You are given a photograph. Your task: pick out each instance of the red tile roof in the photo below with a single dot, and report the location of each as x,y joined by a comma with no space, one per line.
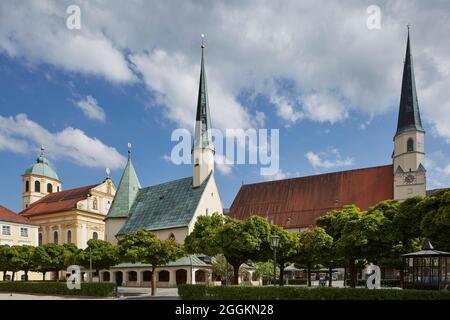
11,216
58,201
298,202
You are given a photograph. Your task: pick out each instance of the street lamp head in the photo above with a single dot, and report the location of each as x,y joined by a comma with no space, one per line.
275,240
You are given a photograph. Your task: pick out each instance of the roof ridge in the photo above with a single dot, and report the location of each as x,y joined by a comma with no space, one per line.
316,175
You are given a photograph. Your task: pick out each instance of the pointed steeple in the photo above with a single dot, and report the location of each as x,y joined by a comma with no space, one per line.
202,120
409,115
126,192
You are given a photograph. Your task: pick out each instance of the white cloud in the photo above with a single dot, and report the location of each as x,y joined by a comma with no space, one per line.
70,143
91,109
334,65
280,175
223,165
175,81
437,165
328,160
36,31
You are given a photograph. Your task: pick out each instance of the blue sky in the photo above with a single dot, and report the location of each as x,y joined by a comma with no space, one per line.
335,102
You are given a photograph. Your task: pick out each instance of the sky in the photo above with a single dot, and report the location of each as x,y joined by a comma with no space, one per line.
311,69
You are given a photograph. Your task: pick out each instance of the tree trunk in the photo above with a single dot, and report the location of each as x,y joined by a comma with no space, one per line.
13,275
281,273
330,276
43,275
26,275
153,281
402,274
345,276
236,274
4,275
353,274
308,270
57,276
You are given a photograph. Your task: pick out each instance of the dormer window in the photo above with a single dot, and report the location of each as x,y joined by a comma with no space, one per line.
410,145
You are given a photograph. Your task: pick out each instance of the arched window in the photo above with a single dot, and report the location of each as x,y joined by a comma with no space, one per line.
69,236
95,236
55,237
410,145
95,204
49,188
164,276
40,239
57,188
27,186
37,186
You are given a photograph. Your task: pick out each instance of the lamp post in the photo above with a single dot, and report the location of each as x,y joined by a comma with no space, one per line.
275,241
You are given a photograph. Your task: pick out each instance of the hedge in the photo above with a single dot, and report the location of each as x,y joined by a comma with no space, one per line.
202,292
59,288
389,283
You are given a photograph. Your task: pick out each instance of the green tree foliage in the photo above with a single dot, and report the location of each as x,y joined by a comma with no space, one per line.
286,251
221,268
312,246
5,259
435,224
237,240
145,247
22,259
54,257
264,270
104,255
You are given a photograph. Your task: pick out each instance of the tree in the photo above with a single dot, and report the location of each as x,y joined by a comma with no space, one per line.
334,223
402,234
104,255
237,240
54,257
286,251
311,247
436,220
5,259
41,260
221,268
264,270
145,247
23,259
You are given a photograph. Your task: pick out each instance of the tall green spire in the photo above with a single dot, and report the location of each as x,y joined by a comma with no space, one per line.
408,115
203,120
126,192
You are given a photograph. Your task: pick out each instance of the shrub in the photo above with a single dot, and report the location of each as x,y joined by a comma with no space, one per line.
201,292
59,288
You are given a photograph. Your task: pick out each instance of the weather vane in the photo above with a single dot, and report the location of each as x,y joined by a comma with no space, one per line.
108,172
129,147
203,40
408,26
42,150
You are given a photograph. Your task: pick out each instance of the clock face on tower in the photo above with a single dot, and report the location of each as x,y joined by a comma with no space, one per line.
409,178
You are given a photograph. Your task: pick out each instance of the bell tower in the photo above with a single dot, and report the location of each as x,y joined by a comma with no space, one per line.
409,140
39,180
203,148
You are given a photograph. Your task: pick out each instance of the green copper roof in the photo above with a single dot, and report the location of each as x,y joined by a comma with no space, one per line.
42,167
421,168
167,205
126,193
409,115
203,121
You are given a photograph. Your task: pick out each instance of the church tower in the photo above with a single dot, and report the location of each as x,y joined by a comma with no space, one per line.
202,149
409,140
39,180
